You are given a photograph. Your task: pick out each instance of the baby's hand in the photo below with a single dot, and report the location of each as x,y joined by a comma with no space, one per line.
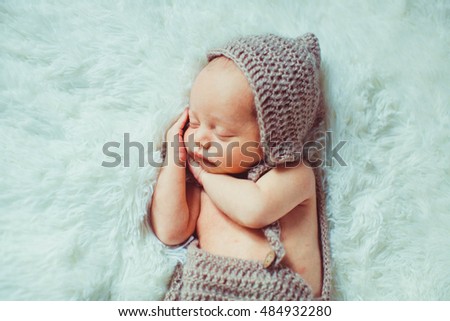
174,138
196,170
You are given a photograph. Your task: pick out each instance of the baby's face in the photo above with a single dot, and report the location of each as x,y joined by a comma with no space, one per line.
223,134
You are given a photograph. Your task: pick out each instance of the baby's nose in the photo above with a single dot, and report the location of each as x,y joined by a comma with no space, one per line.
202,138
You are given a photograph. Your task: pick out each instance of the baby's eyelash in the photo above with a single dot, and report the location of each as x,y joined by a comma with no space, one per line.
224,136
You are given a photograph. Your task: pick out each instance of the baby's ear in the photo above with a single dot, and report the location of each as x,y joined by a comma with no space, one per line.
312,45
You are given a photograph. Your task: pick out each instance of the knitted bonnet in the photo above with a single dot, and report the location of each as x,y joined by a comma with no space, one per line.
283,74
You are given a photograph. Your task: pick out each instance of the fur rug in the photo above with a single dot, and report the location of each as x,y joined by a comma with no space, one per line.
76,75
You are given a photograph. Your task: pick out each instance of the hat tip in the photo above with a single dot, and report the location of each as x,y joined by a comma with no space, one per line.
312,44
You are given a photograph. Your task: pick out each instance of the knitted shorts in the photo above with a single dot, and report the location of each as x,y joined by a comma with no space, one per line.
205,277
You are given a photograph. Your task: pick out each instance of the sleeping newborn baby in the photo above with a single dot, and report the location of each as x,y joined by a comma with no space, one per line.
256,206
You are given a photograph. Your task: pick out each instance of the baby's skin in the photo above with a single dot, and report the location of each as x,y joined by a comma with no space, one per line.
217,138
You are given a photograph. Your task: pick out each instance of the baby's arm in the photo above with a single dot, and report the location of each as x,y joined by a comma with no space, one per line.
172,220
256,205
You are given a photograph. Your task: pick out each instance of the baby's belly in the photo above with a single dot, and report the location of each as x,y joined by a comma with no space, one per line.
219,235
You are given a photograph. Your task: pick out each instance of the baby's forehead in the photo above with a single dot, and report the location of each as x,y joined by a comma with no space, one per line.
226,116
222,79
222,62
226,68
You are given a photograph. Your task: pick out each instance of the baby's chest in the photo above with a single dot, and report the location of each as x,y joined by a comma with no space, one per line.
220,235
210,215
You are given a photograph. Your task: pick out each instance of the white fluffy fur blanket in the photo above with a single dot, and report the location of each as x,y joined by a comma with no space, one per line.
75,75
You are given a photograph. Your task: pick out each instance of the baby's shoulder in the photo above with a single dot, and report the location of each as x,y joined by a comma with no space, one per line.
297,170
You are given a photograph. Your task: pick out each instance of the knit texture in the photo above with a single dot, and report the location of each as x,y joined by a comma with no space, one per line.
324,234
208,277
272,233
284,76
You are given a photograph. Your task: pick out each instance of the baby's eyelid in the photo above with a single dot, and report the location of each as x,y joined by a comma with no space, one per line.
224,135
222,131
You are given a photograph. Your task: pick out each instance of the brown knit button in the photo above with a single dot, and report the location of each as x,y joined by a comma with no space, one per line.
270,258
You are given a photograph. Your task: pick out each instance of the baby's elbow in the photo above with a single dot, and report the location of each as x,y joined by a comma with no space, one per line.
173,240
257,217
168,233
171,237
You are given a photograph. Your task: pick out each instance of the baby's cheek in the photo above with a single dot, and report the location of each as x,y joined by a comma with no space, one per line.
217,149
235,153
250,152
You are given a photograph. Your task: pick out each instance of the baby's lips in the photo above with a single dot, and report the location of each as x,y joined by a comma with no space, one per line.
199,159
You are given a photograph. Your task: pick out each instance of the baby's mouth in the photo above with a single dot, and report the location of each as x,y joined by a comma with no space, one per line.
201,160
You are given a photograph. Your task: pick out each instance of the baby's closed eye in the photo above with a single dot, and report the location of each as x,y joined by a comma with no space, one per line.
223,134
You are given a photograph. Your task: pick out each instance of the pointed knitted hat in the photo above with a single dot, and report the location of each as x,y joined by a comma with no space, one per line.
283,74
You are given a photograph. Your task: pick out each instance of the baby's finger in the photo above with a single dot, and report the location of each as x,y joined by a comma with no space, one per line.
183,118
193,165
195,169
